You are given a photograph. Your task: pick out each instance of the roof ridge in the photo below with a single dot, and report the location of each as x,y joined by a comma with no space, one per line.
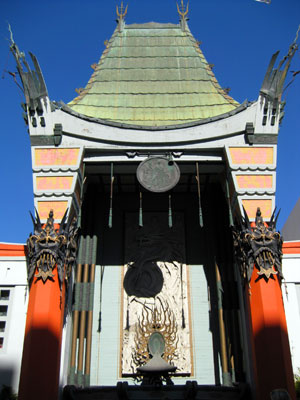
147,25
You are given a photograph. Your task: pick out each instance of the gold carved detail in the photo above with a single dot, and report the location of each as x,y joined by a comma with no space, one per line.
181,12
121,13
79,90
162,320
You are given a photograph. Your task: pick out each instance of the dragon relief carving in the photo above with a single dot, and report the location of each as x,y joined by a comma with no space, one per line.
149,246
155,292
49,247
161,319
259,245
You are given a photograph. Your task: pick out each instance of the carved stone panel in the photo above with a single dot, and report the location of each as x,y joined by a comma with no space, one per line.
157,298
158,174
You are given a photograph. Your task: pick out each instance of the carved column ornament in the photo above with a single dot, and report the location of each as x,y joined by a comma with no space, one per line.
259,245
49,247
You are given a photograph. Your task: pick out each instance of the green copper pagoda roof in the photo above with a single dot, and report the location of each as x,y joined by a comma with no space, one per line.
152,75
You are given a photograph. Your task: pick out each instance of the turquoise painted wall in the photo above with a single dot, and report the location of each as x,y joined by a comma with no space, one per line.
106,344
200,254
202,337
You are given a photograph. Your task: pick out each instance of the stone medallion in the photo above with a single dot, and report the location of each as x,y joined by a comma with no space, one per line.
158,174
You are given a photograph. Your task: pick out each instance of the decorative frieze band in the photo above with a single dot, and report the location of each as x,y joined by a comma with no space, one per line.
58,207
53,183
57,180
266,206
253,178
43,157
248,182
253,158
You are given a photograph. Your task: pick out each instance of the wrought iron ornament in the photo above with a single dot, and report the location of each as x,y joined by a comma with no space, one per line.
49,247
158,174
260,246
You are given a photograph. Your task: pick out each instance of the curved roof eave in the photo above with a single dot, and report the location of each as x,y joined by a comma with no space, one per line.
237,110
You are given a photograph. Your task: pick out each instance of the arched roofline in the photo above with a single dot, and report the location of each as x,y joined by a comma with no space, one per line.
116,124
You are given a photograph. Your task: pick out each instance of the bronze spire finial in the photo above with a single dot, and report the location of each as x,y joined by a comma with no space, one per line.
181,12
121,14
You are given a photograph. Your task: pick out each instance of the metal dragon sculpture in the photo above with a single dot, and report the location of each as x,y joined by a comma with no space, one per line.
49,247
259,245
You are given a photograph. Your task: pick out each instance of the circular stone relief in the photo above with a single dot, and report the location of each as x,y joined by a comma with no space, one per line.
158,174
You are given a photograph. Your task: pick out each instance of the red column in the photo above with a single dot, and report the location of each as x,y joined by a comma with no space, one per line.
42,344
273,366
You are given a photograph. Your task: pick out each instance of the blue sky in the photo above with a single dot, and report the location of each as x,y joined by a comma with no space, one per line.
67,36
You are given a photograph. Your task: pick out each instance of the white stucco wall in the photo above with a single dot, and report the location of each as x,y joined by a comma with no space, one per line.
13,277
291,298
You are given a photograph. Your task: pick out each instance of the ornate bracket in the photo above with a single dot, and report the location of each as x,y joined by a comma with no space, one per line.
49,247
259,245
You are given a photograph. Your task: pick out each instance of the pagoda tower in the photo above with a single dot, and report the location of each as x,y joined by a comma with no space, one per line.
154,234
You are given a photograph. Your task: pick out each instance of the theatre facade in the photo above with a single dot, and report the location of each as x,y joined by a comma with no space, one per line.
154,265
